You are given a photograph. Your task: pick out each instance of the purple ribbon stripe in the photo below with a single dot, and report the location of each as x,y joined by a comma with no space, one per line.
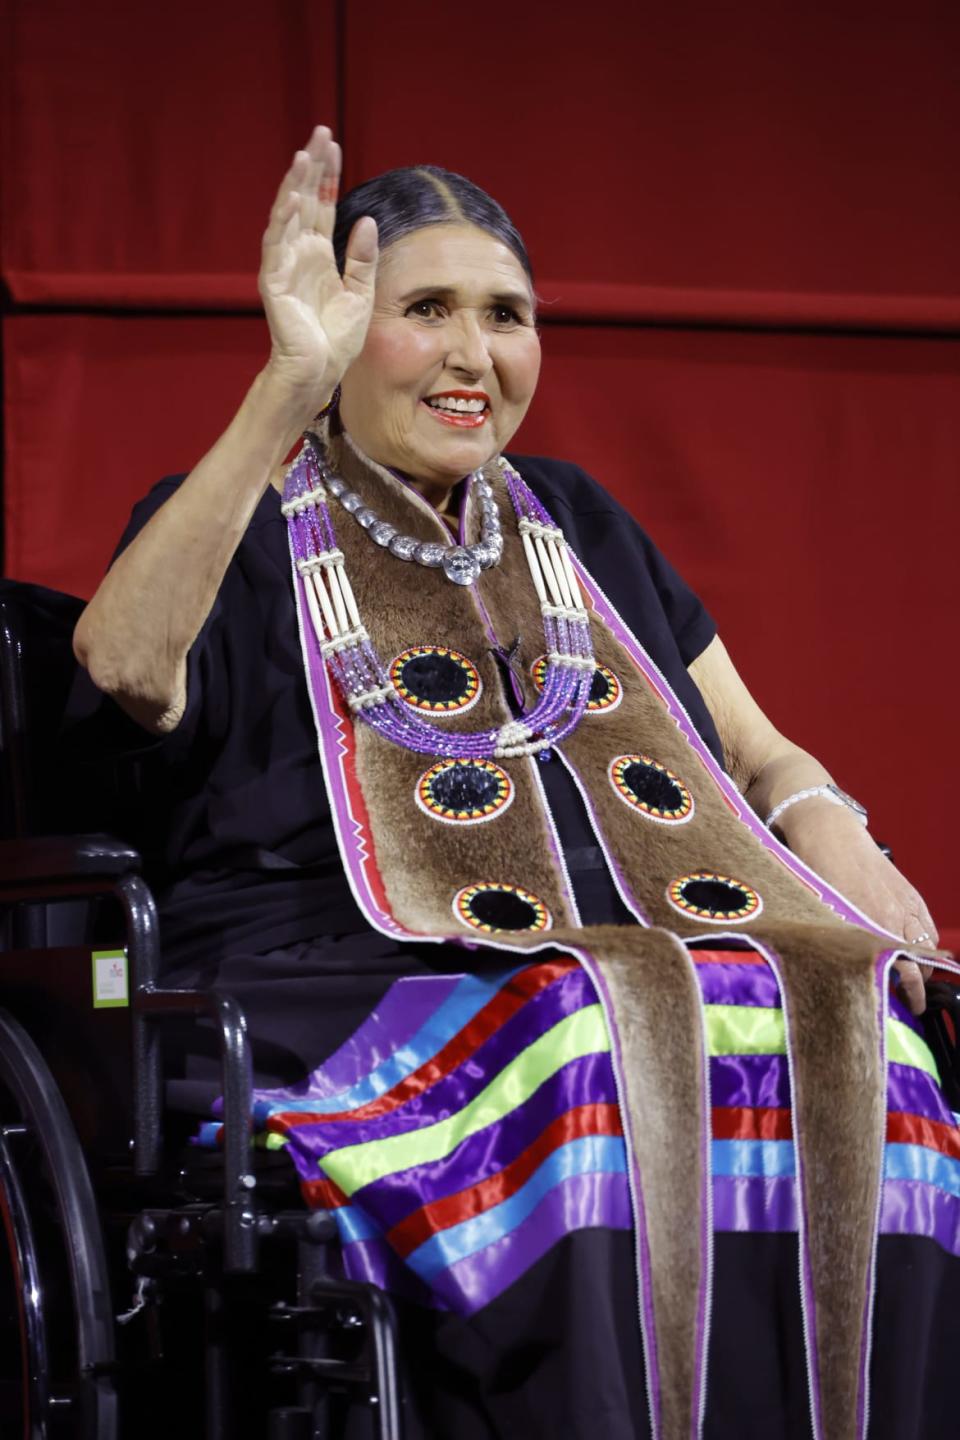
580,1202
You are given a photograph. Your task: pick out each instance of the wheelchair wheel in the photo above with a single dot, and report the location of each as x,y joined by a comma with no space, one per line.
56,1322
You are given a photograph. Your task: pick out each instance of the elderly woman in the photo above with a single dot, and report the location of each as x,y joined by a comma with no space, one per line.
404,740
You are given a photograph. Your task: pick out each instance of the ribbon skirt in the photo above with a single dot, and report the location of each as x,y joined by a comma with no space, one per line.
468,1138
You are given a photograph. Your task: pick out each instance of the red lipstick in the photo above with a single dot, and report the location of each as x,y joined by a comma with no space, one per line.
461,419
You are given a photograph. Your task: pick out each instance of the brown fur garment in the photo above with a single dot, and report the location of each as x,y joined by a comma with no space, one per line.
839,1115
656,1001
423,861
826,966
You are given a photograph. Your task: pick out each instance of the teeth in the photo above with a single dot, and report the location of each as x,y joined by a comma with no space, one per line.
449,402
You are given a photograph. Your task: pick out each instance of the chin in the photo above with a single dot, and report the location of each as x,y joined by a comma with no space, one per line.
459,459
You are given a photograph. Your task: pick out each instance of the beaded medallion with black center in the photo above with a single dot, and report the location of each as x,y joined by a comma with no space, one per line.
436,679
492,905
719,899
606,691
464,792
651,788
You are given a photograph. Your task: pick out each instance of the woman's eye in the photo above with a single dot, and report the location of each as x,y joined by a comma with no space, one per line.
504,315
424,309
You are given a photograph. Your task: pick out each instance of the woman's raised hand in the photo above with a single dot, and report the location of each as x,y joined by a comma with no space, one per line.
318,320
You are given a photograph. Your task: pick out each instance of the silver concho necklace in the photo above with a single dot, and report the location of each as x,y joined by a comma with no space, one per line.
461,564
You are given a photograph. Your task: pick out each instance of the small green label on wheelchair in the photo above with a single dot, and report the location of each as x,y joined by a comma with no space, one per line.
109,979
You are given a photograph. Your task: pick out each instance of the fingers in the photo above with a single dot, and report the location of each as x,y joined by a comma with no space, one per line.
911,987
284,219
278,256
325,176
920,929
360,264
319,182
914,976
289,188
309,189
927,926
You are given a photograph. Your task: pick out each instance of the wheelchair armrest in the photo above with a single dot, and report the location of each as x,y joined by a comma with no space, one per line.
48,867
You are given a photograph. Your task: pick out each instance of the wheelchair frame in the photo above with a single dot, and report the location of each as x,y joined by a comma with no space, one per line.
342,1333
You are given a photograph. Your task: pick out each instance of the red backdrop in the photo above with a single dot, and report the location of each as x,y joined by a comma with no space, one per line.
745,224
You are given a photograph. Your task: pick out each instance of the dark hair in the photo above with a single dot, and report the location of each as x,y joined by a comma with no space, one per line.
408,199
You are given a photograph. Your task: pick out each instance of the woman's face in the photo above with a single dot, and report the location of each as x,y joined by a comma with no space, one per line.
451,357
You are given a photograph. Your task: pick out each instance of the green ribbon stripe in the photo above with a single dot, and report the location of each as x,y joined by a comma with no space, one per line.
758,1030
731,1030
908,1048
582,1033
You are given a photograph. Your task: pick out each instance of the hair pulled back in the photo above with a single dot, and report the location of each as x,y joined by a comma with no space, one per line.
414,196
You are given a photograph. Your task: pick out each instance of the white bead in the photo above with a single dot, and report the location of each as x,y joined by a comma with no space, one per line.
320,591
316,619
535,571
336,595
349,598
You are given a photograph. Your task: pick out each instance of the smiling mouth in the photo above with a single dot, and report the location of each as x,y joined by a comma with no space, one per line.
463,409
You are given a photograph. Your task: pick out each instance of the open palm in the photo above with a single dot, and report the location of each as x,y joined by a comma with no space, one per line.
318,319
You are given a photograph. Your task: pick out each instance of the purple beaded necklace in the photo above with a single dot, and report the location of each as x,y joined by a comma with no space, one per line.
358,670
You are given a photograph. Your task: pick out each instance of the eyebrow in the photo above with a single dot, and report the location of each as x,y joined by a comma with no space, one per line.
445,292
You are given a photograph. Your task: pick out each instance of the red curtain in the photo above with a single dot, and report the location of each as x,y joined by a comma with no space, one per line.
745,225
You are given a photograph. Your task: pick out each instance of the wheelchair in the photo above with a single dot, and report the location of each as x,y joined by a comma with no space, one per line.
146,1286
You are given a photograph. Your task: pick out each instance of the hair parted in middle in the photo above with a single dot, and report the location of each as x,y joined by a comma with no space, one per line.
402,201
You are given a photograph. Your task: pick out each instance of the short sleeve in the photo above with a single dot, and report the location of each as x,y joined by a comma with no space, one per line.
690,623
622,556
658,606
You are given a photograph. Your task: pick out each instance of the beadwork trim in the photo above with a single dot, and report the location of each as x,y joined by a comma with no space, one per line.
437,707
475,815
463,898
538,672
678,816
713,917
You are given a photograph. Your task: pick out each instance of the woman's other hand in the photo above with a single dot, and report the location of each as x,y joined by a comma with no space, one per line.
318,320
833,843
826,836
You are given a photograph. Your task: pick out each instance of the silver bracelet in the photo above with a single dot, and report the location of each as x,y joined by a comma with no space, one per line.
827,792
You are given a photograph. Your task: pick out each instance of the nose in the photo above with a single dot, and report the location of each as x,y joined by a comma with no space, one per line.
468,351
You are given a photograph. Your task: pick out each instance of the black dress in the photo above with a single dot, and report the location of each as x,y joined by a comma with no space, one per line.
252,894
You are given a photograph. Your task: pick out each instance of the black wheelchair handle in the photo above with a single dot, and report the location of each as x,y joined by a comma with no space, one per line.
33,867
